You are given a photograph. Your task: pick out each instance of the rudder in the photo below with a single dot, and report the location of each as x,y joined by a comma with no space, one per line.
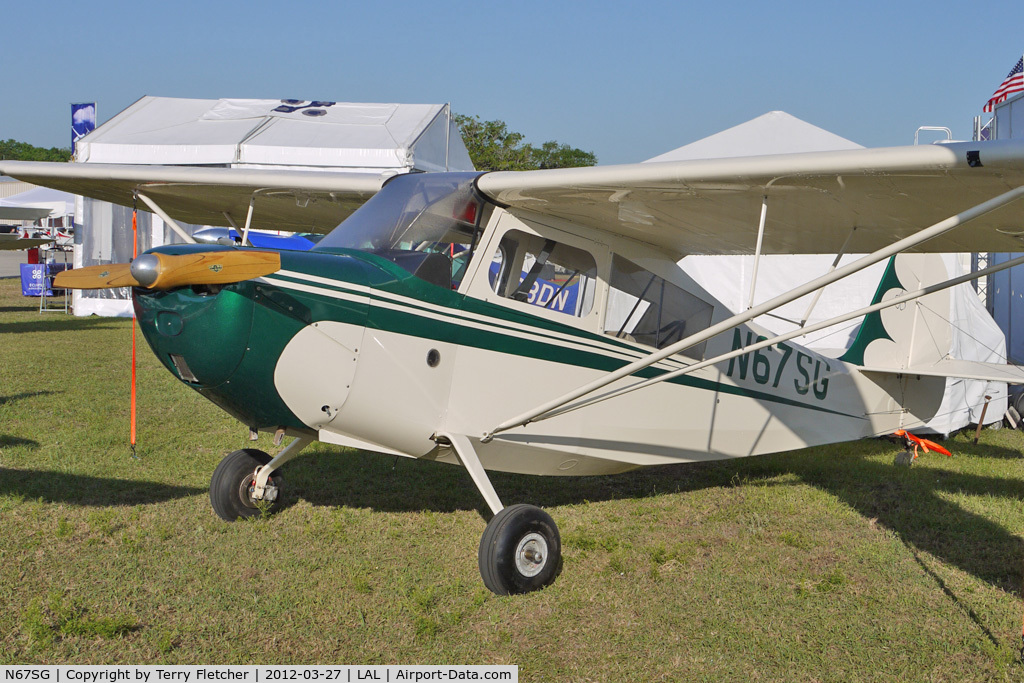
911,334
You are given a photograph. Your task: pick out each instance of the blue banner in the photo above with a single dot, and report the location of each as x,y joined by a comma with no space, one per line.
543,291
38,277
83,121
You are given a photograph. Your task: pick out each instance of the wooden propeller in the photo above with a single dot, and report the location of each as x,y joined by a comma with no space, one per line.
96,277
164,271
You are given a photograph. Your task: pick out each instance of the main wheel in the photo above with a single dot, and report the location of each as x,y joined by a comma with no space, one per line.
520,551
232,482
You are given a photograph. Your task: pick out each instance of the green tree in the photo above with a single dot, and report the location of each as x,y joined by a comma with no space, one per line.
22,151
493,147
553,155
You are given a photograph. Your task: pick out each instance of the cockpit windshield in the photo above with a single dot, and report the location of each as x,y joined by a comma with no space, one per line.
427,223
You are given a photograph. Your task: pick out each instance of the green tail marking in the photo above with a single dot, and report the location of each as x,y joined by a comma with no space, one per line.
872,327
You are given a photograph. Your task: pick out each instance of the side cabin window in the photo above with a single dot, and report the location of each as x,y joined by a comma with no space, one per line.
544,273
646,308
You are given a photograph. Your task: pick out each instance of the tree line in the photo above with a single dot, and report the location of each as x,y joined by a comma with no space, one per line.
22,151
493,147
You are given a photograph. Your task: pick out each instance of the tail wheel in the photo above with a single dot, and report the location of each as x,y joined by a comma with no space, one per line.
232,482
520,551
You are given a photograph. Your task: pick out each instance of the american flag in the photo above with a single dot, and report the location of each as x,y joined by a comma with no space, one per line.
1014,83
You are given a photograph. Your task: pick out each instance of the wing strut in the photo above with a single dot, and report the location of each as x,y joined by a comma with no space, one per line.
167,219
248,218
231,222
757,250
928,233
835,263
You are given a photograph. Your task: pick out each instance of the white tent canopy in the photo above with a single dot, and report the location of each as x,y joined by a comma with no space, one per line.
773,133
40,202
975,334
329,136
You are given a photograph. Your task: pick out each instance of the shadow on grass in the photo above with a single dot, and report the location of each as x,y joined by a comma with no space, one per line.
4,400
77,489
913,503
64,324
391,484
909,501
984,450
8,440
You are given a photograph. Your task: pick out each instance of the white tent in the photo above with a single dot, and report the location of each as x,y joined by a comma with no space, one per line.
975,334
335,137
331,136
773,133
55,203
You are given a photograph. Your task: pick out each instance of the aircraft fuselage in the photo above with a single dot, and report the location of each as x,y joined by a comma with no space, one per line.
352,349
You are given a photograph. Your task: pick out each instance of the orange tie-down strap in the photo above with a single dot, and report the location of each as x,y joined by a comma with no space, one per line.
926,444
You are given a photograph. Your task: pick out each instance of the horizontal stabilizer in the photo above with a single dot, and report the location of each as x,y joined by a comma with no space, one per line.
965,369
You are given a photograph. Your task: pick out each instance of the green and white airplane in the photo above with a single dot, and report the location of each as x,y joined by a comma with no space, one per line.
537,322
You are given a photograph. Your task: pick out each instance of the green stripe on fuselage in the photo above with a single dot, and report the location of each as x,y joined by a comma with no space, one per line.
412,310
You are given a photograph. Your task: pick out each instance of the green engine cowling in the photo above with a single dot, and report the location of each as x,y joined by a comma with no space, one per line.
225,341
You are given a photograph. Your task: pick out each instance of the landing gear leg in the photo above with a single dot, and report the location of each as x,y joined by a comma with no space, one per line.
521,550
291,451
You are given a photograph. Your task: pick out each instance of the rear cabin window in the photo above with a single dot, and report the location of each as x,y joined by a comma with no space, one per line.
544,273
648,309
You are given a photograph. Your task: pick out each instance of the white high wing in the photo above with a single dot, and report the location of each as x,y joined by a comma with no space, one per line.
538,322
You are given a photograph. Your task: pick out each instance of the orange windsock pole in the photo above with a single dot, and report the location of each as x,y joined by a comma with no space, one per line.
135,254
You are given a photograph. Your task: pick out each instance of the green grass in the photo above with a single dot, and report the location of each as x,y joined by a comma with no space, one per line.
822,564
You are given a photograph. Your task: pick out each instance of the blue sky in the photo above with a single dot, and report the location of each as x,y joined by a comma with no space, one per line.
626,81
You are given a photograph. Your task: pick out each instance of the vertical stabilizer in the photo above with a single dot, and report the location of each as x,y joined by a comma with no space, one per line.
912,334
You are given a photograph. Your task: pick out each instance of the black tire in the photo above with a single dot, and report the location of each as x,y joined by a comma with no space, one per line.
229,486
1018,403
520,551
905,458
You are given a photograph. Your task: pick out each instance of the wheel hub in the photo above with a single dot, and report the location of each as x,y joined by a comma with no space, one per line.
531,554
247,491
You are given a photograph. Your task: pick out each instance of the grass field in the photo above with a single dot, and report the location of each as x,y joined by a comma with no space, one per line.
818,565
